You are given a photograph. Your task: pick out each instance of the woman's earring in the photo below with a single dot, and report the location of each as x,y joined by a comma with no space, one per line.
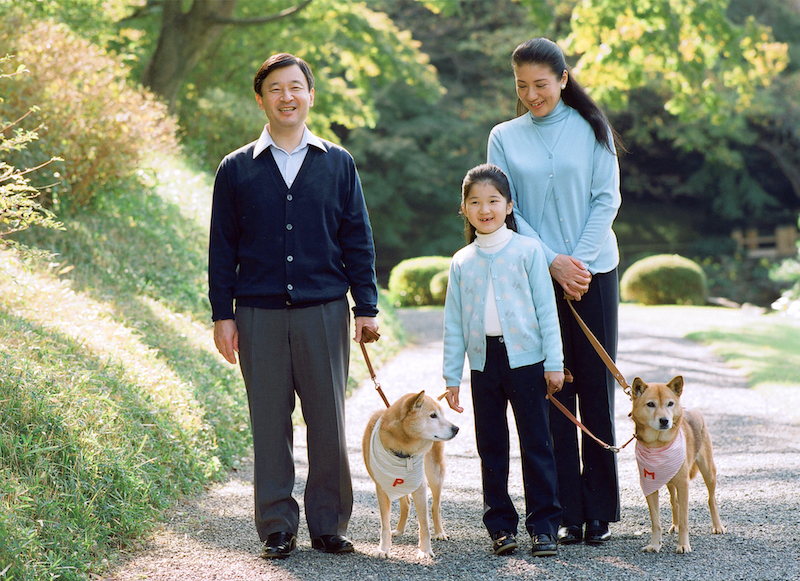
563,87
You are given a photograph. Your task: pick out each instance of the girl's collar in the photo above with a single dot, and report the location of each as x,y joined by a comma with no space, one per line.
495,240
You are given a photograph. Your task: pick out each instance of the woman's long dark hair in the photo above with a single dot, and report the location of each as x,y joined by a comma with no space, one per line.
542,51
494,176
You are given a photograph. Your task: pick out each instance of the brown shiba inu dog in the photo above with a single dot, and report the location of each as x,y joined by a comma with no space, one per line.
672,445
403,445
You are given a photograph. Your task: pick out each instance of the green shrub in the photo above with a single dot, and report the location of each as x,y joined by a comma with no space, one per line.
410,280
94,120
19,208
439,286
664,279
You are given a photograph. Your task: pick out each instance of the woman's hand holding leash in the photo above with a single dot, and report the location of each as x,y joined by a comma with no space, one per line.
571,274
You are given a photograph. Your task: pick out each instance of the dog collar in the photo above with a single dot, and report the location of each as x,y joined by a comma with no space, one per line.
400,454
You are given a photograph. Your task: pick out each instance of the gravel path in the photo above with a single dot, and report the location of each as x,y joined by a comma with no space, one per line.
756,448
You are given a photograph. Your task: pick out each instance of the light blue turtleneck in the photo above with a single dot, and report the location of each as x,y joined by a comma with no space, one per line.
564,183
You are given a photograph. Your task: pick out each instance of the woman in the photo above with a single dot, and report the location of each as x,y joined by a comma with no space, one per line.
560,157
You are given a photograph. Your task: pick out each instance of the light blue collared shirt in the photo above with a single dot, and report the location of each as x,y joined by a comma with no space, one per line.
288,163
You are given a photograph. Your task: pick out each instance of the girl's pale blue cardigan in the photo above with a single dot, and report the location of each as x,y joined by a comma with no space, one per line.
525,302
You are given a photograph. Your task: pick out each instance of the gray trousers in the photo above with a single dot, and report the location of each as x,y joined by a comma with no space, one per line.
304,351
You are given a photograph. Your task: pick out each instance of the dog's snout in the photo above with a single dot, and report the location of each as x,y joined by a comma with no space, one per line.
664,422
455,430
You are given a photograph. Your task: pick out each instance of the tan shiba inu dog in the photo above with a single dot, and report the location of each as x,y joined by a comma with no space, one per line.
672,445
403,445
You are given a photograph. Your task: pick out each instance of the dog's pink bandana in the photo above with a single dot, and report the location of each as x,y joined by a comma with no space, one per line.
657,466
397,476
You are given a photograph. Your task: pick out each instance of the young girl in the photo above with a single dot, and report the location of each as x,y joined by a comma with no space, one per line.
500,311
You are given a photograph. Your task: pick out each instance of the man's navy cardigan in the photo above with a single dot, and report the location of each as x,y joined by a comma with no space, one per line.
275,247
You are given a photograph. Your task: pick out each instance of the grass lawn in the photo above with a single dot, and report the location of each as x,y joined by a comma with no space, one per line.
765,346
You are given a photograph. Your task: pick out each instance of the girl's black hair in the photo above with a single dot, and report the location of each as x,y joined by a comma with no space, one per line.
543,51
490,174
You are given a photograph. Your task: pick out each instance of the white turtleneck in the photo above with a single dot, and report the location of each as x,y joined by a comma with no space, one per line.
490,244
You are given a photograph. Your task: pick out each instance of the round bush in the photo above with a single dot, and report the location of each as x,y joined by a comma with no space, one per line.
439,286
665,279
410,280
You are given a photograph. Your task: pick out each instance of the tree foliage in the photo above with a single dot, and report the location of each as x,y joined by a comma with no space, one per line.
696,87
709,68
696,94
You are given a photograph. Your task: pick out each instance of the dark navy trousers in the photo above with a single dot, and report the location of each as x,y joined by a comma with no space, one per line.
492,390
587,473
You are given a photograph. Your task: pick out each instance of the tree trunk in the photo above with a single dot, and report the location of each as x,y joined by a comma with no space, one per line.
185,36
183,39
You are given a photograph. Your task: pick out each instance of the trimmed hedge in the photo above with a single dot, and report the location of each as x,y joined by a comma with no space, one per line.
664,279
439,286
410,280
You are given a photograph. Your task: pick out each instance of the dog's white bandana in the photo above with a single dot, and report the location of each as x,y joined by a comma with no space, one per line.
657,466
397,476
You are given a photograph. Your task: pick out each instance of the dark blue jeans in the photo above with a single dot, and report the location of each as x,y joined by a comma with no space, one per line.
524,387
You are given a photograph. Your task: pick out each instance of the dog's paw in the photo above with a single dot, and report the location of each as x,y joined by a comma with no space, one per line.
398,532
440,536
422,554
651,548
681,549
380,553
672,529
719,530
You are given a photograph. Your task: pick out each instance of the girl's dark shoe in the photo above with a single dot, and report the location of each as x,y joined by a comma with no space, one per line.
503,542
544,545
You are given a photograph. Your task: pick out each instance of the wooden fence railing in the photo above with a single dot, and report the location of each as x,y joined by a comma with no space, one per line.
781,244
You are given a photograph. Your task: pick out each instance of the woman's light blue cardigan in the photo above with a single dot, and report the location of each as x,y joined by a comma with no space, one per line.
525,302
564,184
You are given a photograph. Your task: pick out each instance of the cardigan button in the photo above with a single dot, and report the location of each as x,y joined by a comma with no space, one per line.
288,226
289,197
290,287
289,258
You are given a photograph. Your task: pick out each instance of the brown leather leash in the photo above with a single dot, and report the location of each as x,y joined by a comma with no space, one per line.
368,336
611,367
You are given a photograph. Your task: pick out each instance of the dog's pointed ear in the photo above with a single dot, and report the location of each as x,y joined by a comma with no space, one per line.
638,387
676,384
416,401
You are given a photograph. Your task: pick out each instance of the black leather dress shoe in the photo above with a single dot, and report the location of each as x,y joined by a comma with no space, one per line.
544,545
503,542
570,534
278,546
597,532
332,544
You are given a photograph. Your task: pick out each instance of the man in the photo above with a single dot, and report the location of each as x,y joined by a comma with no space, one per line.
289,236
